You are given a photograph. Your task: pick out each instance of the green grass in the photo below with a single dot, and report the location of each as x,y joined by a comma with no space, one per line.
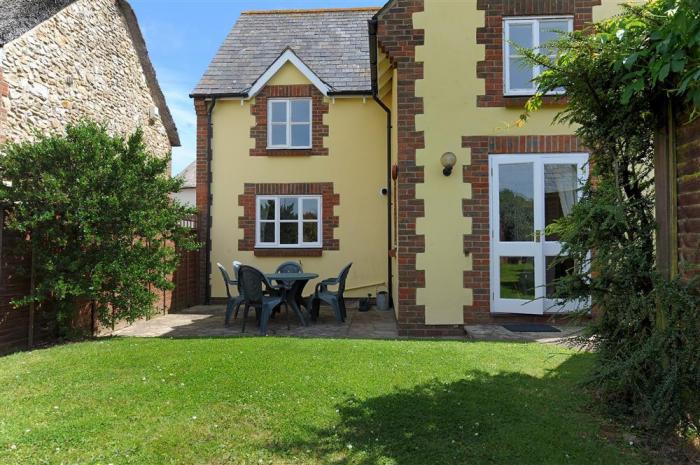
304,401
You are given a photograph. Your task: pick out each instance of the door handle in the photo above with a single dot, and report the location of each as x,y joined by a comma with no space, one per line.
538,235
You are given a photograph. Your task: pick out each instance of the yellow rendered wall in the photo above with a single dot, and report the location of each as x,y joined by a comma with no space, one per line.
449,89
355,164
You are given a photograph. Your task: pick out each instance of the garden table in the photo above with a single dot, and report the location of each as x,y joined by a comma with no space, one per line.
292,296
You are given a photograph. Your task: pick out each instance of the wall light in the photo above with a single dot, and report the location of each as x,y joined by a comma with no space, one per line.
448,161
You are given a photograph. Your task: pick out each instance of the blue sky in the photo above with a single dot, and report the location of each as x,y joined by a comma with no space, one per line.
183,36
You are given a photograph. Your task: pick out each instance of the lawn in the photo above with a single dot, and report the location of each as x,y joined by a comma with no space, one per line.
305,401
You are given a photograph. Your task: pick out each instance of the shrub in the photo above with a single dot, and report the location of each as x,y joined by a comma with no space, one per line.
648,334
98,218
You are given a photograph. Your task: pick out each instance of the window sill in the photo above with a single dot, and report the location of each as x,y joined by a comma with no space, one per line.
519,101
268,152
291,252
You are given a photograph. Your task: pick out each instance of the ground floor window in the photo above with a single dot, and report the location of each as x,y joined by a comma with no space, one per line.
288,221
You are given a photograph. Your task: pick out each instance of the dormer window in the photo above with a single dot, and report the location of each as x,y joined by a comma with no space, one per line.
289,123
533,33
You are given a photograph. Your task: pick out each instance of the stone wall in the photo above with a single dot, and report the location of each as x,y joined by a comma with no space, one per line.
80,63
4,92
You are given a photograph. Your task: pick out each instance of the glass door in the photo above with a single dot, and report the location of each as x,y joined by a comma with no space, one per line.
529,192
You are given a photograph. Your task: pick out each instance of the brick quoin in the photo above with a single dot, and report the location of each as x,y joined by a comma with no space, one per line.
318,129
202,195
477,243
688,175
491,36
246,222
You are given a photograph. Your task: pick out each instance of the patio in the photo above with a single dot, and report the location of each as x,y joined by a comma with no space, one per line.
208,321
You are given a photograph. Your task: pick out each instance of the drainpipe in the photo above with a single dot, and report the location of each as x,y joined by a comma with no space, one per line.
207,289
372,24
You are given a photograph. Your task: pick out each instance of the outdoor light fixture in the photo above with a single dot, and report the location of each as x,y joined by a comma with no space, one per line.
448,161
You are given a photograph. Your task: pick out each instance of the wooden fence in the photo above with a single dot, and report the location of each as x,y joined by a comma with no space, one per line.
21,328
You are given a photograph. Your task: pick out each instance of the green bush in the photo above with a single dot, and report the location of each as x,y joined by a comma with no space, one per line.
98,218
647,336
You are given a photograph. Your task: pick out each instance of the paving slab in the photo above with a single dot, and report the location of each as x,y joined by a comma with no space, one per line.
567,336
208,321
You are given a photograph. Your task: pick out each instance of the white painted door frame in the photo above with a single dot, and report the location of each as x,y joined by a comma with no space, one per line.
539,247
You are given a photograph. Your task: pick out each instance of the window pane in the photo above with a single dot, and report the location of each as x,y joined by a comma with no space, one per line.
300,135
289,233
267,232
555,272
560,192
279,134
521,35
521,74
551,30
516,202
310,231
301,111
267,210
288,208
278,112
518,278
310,209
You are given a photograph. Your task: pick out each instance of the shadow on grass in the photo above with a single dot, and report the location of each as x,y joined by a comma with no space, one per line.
507,418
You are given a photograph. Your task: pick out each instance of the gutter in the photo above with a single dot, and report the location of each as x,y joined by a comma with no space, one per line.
207,269
372,25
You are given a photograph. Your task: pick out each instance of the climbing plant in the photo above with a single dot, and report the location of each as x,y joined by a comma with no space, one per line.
616,75
98,220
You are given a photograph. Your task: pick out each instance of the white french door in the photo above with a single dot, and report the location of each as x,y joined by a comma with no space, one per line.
528,193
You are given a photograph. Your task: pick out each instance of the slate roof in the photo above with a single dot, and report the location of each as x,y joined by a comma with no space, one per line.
333,43
19,16
189,176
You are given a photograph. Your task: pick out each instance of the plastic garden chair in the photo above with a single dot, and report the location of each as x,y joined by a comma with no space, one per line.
289,267
335,299
254,284
232,302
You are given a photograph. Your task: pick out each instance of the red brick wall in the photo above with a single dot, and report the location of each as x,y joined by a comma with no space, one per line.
398,40
491,36
202,196
688,172
247,222
478,244
318,129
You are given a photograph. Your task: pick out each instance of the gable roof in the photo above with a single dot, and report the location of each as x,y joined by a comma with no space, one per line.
19,16
189,176
332,43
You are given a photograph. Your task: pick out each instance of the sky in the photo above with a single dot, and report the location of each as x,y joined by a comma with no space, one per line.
183,36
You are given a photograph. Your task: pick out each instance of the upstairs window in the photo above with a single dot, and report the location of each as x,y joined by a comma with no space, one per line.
289,123
288,221
534,33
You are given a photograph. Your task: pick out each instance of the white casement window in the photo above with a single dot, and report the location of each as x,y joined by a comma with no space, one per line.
533,33
289,123
288,221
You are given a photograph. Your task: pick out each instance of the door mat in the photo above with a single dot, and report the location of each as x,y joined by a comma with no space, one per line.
531,328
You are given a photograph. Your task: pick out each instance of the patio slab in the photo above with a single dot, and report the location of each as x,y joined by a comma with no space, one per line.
208,321
498,333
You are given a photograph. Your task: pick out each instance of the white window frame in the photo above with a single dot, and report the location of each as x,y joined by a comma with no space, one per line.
534,22
277,221
288,123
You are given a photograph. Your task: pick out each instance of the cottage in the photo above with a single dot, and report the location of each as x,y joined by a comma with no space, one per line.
387,137
60,61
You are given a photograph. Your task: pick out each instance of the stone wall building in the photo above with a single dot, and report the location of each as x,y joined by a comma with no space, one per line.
62,60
